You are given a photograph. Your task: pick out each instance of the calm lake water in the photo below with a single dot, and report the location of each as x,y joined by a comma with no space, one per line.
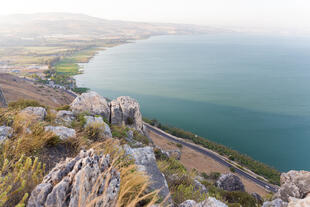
251,93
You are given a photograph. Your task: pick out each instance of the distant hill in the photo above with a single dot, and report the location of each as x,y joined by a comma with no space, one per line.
55,25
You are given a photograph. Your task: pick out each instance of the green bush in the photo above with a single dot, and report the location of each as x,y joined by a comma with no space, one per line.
242,198
119,131
64,107
179,145
80,90
232,169
140,137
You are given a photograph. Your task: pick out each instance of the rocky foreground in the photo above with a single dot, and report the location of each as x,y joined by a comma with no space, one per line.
97,176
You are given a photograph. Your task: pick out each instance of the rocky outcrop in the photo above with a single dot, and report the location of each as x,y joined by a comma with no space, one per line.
230,182
145,160
209,202
62,132
126,111
105,129
295,202
3,102
91,103
199,187
65,117
275,203
5,132
294,184
78,181
37,113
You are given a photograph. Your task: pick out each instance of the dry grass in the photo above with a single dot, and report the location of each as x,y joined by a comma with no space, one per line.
134,184
94,131
29,137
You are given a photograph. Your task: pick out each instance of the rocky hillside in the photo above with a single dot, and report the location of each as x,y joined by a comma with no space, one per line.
96,152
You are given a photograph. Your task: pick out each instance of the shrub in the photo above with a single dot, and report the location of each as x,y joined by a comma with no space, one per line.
232,169
64,107
79,122
18,179
80,90
239,197
119,131
140,137
94,131
21,104
214,175
159,155
179,145
204,175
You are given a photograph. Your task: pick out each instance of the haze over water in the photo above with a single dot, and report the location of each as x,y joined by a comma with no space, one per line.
248,92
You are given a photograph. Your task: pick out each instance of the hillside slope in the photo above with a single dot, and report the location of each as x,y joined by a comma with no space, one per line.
15,88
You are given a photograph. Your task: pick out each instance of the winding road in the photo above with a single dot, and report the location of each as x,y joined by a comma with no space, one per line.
214,156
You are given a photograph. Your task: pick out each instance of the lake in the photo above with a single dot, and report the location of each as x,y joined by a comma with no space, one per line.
248,92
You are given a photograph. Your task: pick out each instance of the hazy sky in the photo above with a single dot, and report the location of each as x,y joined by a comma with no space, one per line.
253,13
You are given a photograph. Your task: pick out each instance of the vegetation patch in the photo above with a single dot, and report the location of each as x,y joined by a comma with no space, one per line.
21,104
18,179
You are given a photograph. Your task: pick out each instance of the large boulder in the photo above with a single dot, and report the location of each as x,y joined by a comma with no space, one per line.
295,202
105,129
275,203
62,132
5,132
92,103
78,181
230,182
37,113
126,111
209,202
65,117
146,162
294,184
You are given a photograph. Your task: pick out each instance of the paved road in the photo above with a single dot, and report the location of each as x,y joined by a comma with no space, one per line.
217,158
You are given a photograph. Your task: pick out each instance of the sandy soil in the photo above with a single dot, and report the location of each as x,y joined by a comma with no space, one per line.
192,159
15,88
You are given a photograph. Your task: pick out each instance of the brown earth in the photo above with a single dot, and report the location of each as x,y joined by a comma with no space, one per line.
15,88
193,159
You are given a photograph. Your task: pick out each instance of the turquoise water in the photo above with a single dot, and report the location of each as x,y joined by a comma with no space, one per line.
251,93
